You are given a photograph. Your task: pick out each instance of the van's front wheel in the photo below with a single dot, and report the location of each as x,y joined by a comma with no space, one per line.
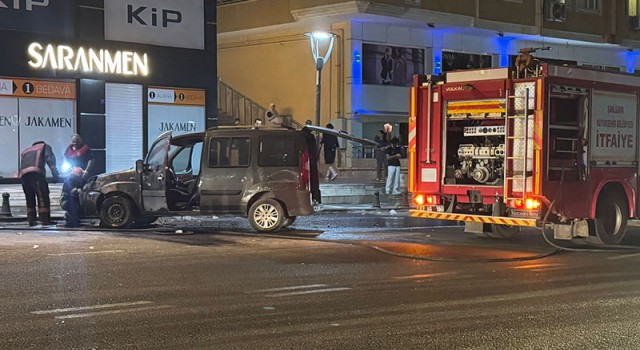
117,212
266,215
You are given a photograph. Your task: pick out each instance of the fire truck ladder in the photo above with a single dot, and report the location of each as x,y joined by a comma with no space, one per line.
516,146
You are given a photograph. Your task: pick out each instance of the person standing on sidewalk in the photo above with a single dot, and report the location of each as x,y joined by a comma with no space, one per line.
394,152
380,154
330,143
34,180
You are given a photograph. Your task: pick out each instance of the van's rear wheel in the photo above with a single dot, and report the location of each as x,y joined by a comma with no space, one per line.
612,214
266,215
117,212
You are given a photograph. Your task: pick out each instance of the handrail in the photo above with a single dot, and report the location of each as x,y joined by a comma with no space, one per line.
368,152
233,103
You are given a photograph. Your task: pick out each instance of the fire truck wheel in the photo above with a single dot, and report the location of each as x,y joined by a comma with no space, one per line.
612,213
503,231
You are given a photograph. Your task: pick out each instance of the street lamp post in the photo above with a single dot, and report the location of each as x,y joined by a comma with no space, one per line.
315,38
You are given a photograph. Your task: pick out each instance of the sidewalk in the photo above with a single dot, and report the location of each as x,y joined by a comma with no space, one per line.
339,195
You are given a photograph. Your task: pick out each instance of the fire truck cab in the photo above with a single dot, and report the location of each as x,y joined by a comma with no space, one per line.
556,149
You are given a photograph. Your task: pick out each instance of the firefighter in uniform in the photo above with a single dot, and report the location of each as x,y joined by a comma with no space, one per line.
34,180
78,154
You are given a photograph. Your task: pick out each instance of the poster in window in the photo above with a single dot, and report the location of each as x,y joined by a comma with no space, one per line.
177,119
48,120
9,126
391,65
457,61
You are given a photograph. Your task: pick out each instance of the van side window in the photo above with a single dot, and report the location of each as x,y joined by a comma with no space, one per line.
188,159
278,151
229,152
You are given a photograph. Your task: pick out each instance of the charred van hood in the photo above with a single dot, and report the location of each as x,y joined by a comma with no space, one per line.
118,176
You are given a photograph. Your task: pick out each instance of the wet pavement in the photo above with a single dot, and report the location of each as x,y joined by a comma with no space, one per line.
387,231
347,280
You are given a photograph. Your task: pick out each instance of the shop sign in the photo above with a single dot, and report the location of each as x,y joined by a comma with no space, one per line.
37,88
67,58
6,87
173,23
176,96
45,16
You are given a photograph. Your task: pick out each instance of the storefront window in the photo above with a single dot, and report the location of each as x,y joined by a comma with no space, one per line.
456,60
391,65
29,116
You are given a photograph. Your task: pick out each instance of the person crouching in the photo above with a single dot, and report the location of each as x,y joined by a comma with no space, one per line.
70,199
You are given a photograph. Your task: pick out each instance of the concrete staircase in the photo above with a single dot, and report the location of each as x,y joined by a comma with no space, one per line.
350,193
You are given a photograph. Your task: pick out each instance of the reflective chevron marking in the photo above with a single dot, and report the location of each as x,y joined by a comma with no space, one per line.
473,218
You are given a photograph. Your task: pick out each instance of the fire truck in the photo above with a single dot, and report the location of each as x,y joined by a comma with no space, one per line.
556,148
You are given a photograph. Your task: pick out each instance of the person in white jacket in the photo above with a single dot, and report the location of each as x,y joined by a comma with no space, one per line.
272,115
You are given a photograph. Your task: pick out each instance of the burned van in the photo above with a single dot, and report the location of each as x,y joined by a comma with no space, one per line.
268,174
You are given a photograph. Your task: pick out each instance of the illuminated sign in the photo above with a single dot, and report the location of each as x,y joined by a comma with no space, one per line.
63,57
193,97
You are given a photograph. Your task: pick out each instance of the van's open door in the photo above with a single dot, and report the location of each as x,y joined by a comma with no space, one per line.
154,175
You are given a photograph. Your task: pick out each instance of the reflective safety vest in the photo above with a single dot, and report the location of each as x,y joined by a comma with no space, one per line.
31,160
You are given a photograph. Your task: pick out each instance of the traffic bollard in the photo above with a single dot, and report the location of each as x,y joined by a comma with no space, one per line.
5,211
376,199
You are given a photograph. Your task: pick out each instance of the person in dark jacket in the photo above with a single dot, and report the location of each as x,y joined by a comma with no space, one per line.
387,67
330,143
380,153
34,180
70,199
394,153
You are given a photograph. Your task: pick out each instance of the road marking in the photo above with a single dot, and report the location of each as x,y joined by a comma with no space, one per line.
308,292
80,308
288,288
624,256
110,312
533,266
548,269
427,275
82,253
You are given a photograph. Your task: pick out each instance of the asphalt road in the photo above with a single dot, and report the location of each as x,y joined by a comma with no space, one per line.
321,286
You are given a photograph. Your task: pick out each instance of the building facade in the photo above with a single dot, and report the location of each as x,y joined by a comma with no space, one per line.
118,72
380,44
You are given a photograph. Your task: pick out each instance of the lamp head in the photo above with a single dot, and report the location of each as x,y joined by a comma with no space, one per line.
319,35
